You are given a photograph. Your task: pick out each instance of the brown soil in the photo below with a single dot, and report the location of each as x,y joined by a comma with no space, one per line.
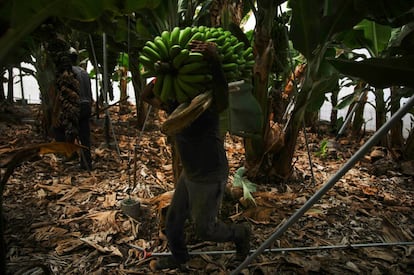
68,221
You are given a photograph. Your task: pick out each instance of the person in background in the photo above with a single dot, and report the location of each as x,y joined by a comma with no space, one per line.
85,97
200,187
75,103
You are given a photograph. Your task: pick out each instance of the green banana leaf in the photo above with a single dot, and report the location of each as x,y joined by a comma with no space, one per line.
379,72
376,35
21,17
311,28
239,180
394,13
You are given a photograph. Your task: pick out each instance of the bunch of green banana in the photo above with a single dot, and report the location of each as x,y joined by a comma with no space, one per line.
182,74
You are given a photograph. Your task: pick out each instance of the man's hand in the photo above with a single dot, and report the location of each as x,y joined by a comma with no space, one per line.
219,83
208,49
148,93
149,97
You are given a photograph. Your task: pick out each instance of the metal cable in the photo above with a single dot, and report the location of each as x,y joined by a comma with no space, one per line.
331,182
285,249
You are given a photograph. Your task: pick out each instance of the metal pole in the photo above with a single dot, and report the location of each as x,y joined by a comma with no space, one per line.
21,84
95,62
108,123
331,182
309,155
105,89
348,118
285,249
105,70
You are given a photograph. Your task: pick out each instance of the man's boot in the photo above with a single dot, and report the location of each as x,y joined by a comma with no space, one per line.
167,262
242,233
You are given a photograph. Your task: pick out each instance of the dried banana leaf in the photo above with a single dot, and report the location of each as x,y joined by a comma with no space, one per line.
186,113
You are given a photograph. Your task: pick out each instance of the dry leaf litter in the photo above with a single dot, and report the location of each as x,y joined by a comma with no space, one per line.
69,221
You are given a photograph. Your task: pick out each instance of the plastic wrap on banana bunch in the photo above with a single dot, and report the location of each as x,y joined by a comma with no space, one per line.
244,116
186,113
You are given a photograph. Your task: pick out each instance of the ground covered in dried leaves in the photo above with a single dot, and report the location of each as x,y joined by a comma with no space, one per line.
69,221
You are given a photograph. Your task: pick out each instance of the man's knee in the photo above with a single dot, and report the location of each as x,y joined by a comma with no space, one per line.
205,230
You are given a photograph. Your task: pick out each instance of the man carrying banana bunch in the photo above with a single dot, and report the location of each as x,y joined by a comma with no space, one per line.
201,185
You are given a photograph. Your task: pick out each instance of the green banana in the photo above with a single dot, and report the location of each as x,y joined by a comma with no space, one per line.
166,38
211,39
180,95
227,33
185,35
234,57
158,85
220,40
202,29
196,78
179,59
194,29
238,47
196,36
162,48
193,57
146,61
175,35
250,63
249,57
247,52
152,45
189,70
208,34
220,29
230,67
189,89
215,33
233,40
174,51
228,56
225,46
167,90
240,60
151,53
194,68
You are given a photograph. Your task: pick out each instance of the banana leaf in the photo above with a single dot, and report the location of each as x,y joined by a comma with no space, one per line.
379,72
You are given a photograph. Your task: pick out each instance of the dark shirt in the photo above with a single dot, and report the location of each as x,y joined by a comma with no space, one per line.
202,149
85,91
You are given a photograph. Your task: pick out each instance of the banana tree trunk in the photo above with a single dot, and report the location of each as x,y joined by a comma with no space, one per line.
2,95
409,147
263,48
123,83
284,157
358,120
10,88
380,116
397,139
334,111
45,77
138,84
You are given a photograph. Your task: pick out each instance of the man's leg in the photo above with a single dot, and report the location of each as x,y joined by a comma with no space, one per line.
177,214
85,135
205,204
